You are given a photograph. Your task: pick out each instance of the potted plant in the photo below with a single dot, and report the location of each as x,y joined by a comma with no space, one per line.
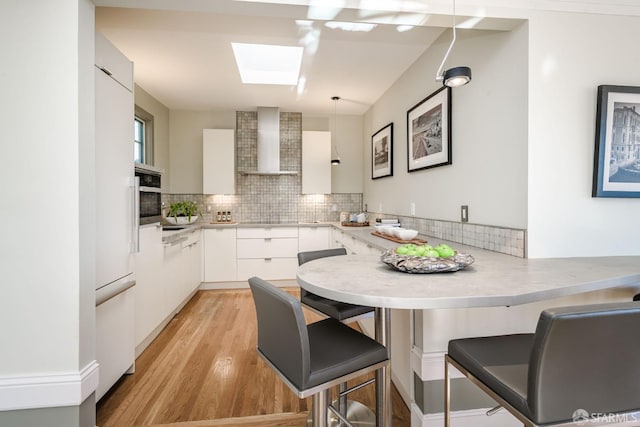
183,212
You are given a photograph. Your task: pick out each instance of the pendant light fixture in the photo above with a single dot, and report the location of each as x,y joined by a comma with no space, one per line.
457,76
335,158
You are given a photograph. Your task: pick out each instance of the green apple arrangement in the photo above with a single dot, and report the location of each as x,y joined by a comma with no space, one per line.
441,251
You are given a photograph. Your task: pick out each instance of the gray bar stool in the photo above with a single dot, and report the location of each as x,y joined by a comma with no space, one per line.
341,311
345,313
579,368
313,358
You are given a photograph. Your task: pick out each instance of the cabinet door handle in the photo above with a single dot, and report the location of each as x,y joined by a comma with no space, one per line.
267,259
105,70
267,239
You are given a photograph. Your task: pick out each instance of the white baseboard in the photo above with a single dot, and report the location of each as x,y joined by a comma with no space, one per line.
48,390
468,418
245,285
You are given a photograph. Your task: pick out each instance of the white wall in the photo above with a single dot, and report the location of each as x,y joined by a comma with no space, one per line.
570,55
489,135
47,315
185,152
347,133
160,115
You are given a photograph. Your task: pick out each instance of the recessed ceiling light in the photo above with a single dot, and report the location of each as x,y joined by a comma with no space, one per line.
268,64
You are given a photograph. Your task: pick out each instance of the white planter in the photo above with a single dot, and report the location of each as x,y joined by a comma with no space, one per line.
181,220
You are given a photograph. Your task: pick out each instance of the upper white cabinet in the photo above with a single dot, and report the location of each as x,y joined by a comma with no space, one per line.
113,63
218,161
316,162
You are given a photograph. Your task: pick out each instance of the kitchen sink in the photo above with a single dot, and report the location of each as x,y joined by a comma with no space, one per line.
172,227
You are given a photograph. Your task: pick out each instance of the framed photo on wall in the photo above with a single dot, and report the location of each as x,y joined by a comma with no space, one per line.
382,152
616,169
429,131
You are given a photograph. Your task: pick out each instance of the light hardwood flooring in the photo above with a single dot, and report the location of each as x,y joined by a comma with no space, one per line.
203,371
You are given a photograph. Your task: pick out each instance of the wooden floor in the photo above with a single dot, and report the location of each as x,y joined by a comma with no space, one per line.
203,371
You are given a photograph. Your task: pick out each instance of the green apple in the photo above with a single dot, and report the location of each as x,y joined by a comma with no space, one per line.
432,253
402,250
421,250
445,250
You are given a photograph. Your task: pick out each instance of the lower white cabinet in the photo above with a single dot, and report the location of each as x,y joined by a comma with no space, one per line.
166,274
173,278
267,252
313,238
220,255
191,263
149,290
340,239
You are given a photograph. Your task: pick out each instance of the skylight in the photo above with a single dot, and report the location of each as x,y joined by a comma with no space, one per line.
268,64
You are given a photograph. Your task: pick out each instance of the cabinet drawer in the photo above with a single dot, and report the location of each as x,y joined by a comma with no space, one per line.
267,248
266,232
192,238
313,238
268,269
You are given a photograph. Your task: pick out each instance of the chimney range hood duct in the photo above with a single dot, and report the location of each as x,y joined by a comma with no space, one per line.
269,143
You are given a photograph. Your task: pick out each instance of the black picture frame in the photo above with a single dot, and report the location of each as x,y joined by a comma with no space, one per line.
382,152
429,132
616,166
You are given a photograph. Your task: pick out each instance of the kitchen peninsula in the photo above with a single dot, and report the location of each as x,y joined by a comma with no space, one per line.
497,294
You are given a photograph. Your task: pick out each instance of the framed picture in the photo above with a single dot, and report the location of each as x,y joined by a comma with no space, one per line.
429,131
616,170
382,152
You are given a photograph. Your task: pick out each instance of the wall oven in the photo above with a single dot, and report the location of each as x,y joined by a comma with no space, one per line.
149,184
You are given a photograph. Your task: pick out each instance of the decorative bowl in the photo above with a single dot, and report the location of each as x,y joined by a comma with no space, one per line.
181,220
406,233
421,264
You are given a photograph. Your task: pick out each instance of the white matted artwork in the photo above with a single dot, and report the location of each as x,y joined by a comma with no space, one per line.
382,152
429,131
616,171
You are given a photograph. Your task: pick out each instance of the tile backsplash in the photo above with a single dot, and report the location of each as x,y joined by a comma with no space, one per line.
510,241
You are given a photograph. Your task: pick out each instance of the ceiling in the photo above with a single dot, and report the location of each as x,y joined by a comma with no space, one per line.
183,57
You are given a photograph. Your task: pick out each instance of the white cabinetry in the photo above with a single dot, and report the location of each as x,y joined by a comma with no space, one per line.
340,239
269,253
313,238
149,290
316,162
191,263
220,255
115,290
218,161
167,274
172,277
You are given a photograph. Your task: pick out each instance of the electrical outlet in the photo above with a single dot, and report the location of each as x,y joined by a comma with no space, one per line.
334,208
464,213
208,208
412,208
380,208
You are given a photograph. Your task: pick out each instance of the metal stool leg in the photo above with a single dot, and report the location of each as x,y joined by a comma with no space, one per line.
342,401
319,408
447,394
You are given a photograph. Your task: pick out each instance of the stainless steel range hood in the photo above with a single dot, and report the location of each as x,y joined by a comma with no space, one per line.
268,143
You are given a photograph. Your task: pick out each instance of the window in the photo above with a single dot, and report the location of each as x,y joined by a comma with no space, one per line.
138,140
142,137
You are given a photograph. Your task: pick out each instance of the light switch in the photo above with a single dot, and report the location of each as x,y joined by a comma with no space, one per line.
464,213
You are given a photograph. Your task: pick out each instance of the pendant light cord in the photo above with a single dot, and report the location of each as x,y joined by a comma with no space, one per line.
335,125
440,74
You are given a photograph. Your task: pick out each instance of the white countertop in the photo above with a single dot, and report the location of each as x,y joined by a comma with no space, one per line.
493,280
